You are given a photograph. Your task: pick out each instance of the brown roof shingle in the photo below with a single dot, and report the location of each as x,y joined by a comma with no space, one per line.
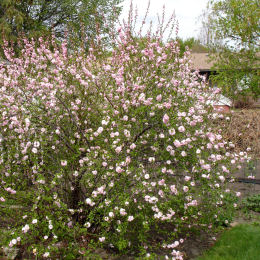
200,61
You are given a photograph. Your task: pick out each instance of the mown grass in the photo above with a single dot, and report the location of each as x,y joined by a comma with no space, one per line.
241,242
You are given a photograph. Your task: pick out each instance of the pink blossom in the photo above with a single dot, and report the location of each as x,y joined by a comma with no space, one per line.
118,149
185,188
209,146
122,212
100,130
177,143
64,163
161,182
119,169
187,178
181,129
183,153
132,146
173,189
165,119
172,131
130,218
159,98
224,168
238,194
222,178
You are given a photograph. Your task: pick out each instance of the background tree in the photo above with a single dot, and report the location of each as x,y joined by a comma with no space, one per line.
235,24
40,17
207,35
193,44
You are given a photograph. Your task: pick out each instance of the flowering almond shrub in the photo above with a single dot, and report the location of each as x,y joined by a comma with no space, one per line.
115,152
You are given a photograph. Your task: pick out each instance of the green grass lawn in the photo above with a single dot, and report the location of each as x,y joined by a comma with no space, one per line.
239,243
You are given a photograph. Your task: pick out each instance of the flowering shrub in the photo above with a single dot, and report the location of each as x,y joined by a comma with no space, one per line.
116,152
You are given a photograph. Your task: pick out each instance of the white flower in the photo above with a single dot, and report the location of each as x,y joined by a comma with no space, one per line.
130,218
25,228
34,150
14,241
151,159
87,224
146,176
102,239
104,122
88,201
100,129
27,121
50,226
161,135
222,178
46,254
122,212
36,144
34,221
111,214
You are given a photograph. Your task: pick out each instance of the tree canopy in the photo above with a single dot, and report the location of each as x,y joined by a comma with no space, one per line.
235,24
194,45
237,21
38,17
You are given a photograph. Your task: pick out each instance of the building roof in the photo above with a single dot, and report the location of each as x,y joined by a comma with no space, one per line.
200,61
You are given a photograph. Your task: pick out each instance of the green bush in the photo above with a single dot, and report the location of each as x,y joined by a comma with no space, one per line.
252,203
112,152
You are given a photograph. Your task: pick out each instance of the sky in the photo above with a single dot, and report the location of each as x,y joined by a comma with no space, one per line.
186,11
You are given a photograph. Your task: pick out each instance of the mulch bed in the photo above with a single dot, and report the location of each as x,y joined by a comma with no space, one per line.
243,130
